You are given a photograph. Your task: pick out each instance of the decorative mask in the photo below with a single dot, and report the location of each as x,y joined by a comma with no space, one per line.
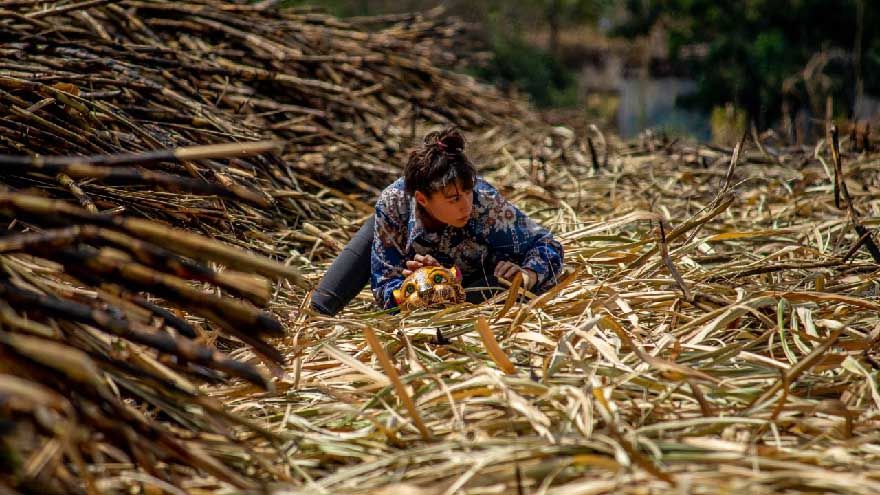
430,286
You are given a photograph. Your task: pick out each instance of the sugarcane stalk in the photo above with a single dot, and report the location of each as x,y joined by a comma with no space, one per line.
183,242
120,269
163,342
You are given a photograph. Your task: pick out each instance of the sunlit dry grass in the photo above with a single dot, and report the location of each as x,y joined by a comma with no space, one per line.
754,373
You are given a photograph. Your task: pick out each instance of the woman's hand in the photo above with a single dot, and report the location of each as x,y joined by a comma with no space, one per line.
507,270
419,261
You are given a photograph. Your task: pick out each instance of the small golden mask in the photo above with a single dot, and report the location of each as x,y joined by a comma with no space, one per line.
430,286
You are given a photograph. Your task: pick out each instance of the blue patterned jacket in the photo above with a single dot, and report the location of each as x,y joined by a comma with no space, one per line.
497,231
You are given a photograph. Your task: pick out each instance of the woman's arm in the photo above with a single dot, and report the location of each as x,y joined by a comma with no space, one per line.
517,238
387,260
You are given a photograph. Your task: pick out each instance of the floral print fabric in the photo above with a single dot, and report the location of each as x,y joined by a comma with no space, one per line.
496,231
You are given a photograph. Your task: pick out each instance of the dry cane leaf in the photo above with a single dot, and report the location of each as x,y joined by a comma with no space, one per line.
492,348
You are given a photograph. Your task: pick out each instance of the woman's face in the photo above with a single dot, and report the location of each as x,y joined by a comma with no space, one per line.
451,205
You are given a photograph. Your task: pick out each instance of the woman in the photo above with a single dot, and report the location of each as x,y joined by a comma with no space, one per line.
440,213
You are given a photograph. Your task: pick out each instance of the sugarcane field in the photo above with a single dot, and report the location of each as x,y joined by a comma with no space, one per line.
239,243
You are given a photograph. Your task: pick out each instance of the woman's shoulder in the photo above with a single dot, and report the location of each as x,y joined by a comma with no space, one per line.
484,191
393,192
393,199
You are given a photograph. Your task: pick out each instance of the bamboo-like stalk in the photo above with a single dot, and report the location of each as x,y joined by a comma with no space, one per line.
399,387
492,348
181,241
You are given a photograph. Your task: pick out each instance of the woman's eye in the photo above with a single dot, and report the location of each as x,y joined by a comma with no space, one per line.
438,279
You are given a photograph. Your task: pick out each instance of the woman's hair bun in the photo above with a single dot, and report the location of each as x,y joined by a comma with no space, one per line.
439,161
449,140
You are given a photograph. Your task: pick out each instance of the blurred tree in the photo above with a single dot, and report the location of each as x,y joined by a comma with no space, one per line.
561,13
517,64
749,49
536,71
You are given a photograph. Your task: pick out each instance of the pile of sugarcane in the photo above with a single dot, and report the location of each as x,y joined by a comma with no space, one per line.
130,129
716,330
348,98
108,324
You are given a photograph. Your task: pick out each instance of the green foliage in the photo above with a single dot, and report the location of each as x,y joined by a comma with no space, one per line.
753,46
532,70
527,67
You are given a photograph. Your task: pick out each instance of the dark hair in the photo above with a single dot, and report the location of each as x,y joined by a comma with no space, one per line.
438,162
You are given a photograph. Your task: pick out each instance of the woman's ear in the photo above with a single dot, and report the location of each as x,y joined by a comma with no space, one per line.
421,198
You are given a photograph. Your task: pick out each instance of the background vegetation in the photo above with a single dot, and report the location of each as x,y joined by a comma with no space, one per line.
753,52
772,59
